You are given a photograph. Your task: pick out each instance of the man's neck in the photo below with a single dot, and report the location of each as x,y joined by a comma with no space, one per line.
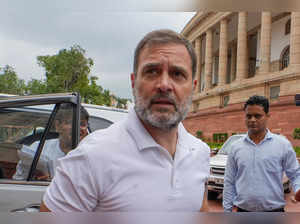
257,137
167,139
65,148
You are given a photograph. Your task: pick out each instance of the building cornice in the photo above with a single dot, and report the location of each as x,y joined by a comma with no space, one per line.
201,22
247,83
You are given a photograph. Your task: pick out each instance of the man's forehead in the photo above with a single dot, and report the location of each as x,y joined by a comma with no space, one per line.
175,52
255,108
163,48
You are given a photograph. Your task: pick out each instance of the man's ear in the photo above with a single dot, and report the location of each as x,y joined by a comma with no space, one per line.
57,125
132,78
194,84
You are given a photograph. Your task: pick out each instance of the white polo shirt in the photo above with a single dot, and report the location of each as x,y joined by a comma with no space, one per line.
122,168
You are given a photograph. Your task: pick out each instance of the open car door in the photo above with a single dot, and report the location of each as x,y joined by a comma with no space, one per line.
30,144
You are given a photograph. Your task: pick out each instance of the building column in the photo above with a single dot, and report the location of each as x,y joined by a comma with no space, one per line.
242,48
295,41
198,72
233,62
265,42
208,60
223,53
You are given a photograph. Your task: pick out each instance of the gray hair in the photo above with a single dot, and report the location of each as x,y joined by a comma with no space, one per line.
164,37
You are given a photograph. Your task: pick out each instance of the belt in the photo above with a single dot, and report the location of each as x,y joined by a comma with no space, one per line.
274,210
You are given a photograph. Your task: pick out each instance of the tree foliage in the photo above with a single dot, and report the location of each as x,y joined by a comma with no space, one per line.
35,86
67,71
9,81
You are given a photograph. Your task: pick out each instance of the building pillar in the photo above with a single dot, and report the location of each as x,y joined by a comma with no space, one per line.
295,41
198,72
265,42
208,60
233,62
242,48
223,53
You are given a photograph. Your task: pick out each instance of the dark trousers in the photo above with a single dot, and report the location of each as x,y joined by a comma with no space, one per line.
274,210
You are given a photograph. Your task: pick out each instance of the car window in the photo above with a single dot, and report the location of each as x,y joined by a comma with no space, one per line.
21,130
96,123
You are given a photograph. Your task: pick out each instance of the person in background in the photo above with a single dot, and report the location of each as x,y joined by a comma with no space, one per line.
255,165
148,162
53,148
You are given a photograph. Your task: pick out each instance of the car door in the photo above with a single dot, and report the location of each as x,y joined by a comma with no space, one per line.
30,144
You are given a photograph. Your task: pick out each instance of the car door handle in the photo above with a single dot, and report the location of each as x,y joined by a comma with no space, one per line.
28,208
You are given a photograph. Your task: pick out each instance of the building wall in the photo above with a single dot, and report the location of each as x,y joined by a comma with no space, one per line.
284,118
279,40
209,114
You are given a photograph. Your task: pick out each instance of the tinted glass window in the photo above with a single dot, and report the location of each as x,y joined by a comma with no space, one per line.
16,127
96,123
21,130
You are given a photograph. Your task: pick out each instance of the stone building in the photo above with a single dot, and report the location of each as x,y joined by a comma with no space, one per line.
241,54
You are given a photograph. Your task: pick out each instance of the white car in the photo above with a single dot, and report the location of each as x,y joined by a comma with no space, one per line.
217,169
26,119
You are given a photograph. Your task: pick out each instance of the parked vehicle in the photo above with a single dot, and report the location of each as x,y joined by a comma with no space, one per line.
26,119
217,169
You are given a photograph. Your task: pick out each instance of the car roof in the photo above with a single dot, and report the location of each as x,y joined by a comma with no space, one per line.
42,101
108,113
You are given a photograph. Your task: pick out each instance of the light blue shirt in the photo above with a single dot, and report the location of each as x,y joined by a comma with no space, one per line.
47,162
254,172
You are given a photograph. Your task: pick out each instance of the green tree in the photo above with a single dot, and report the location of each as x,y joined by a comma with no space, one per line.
35,86
122,103
95,94
10,83
67,71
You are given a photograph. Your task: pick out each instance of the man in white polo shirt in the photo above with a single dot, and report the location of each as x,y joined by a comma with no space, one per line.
147,162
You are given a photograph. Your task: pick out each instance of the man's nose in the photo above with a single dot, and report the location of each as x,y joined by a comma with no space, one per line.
165,82
252,119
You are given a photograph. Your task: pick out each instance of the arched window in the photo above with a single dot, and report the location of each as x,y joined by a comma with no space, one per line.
288,27
285,58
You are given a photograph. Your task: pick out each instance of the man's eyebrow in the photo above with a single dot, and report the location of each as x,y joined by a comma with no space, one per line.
179,68
151,65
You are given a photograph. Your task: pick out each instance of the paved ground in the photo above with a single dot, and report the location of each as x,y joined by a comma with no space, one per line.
216,205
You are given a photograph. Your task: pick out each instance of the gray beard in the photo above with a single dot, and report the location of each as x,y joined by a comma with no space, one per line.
166,121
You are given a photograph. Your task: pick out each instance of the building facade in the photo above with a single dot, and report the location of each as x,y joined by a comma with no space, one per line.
241,54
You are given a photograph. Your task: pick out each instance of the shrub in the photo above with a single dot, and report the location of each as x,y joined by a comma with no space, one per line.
296,133
220,137
214,145
297,150
199,134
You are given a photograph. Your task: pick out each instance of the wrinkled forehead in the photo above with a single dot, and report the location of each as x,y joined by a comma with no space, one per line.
177,53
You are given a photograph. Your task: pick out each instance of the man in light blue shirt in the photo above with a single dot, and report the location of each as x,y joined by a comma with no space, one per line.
255,165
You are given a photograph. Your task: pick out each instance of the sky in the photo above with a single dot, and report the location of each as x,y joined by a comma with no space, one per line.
108,33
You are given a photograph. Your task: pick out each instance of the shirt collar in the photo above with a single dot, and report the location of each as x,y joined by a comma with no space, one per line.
268,136
142,137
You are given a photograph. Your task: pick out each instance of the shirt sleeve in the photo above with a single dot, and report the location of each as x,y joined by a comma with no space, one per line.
73,188
291,167
229,191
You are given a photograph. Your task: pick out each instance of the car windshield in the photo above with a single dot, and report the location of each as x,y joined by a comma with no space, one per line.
227,145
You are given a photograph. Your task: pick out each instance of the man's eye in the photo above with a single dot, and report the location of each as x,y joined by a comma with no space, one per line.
152,71
258,116
178,74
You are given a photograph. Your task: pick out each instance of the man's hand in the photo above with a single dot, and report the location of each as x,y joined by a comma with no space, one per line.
44,178
297,195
